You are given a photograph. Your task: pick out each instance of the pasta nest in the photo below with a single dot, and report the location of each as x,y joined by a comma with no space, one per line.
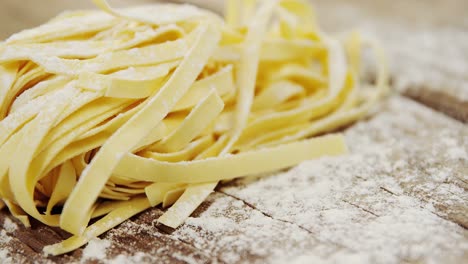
104,114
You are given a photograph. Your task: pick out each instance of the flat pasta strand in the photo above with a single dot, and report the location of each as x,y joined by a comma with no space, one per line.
230,166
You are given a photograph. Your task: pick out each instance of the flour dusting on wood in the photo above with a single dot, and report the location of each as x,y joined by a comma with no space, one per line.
385,201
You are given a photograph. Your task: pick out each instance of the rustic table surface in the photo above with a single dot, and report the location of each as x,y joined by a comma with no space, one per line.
399,197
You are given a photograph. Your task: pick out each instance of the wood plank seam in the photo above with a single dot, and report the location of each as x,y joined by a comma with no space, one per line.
361,208
286,221
164,232
440,102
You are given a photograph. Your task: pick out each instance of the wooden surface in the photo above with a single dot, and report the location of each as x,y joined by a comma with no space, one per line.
399,197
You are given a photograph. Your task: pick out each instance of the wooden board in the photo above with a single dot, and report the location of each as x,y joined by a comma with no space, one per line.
399,197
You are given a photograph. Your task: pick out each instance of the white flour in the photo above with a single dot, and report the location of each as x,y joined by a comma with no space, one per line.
96,249
5,256
347,200
9,225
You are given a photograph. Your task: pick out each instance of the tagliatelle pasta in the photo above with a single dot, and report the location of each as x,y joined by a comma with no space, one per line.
104,114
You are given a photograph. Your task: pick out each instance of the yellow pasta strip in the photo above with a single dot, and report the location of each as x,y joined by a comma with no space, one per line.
223,123
190,199
113,196
138,83
90,141
232,12
131,191
155,135
150,34
153,54
277,93
18,213
191,151
19,86
7,78
288,23
98,172
300,114
156,191
16,120
5,152
65,49
11,145
343,118
52,155
353,45
111,193
214,149
79,162
80,49
112,125
301,75
248,9
84,145
247,70
124,211
279,134
106,207
65,183
172,196
38,90
275,50
230,166
282,50
193,195
26,67
340,83
89,109
130,183
303,10
221,81
21,184
329,123
198,119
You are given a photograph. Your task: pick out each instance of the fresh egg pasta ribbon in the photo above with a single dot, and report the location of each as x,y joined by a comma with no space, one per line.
106,113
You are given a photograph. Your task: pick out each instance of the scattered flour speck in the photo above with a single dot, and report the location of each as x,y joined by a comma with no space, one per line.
5,257
138,258
96,249
9,225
